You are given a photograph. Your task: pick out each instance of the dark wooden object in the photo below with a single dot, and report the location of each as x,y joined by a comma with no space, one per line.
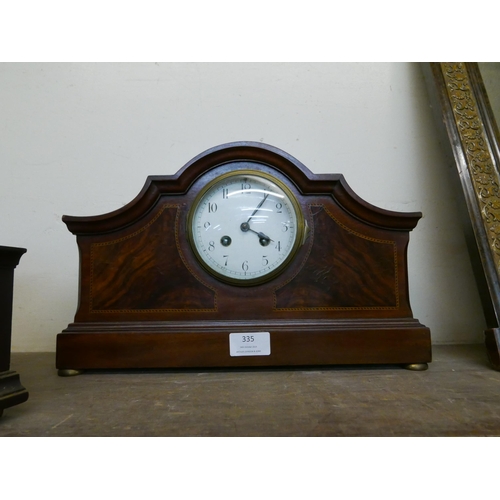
471,140
146,302
11,390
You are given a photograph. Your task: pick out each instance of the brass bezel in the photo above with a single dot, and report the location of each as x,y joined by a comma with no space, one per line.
299,235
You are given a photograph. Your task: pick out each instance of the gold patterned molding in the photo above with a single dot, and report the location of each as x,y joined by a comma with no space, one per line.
479,158
463,113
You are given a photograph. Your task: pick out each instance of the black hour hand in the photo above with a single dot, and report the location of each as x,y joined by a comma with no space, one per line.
264,240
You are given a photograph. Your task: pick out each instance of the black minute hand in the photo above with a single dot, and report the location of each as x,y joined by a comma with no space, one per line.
258,206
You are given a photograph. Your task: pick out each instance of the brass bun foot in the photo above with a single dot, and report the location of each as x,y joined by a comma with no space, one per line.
417,367
69,373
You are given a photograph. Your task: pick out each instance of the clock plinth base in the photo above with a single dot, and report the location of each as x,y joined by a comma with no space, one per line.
69,372
190,345
417,367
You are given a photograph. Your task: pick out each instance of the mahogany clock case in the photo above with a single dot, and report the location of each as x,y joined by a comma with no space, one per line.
145,300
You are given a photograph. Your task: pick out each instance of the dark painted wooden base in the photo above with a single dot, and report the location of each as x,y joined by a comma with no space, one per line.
11,391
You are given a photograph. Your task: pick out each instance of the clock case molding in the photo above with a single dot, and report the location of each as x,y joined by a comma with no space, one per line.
146,302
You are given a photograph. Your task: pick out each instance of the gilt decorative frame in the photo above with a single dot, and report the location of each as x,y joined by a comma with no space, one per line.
465,117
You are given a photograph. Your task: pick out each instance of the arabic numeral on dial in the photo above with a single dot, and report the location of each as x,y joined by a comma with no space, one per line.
244,266
225,257
211,246
212,208
279,207
225,193
206,225
245,185
278,246
265,261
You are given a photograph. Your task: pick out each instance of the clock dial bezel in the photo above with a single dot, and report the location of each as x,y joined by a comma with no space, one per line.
300,229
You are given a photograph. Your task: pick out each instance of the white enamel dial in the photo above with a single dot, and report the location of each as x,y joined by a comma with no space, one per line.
245,227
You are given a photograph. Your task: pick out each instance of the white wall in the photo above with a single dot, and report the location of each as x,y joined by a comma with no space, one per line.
80,139
490,73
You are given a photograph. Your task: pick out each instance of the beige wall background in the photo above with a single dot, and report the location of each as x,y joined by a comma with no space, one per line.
80,139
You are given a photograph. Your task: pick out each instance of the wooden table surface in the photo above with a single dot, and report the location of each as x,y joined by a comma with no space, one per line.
458,396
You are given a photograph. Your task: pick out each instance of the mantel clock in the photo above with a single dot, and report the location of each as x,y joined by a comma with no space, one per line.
244,258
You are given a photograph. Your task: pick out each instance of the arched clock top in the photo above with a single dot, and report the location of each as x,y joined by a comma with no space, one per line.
306,183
